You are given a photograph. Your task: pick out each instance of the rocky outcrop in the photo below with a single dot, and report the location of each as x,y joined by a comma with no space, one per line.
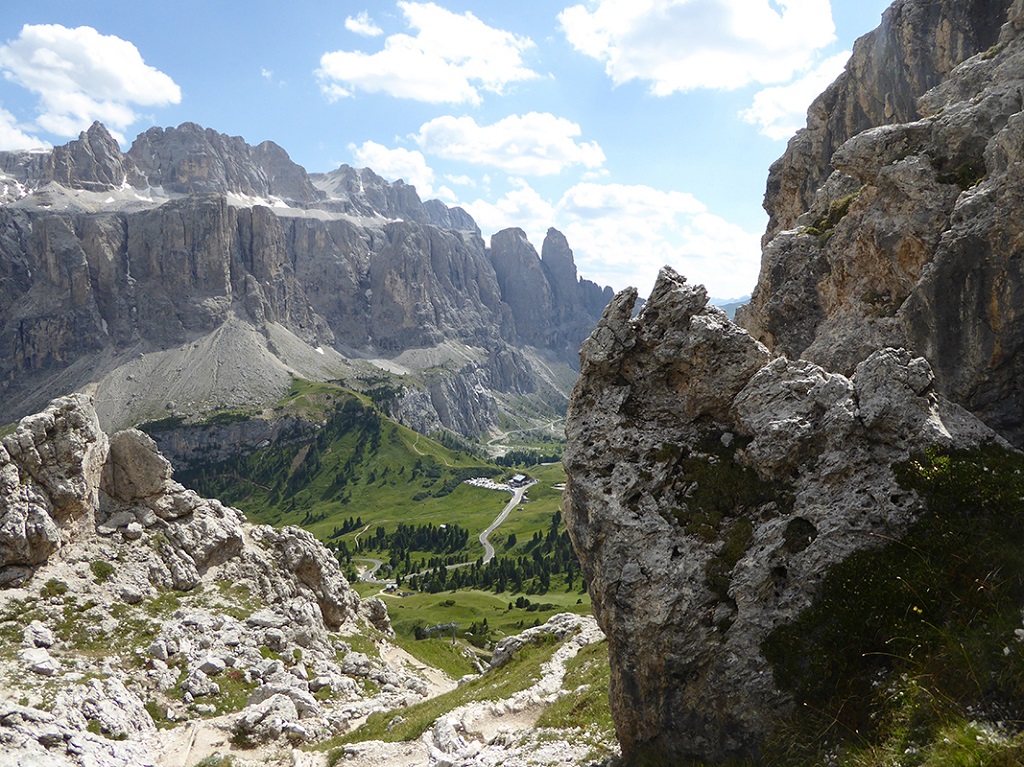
68,485
551,306
189,608
361,192
49,484
911,240
916,46
94,162
190,159
710,490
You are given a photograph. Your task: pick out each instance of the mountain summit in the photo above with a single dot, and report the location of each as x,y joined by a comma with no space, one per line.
197,272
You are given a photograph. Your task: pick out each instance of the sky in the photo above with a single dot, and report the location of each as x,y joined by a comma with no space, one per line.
642,129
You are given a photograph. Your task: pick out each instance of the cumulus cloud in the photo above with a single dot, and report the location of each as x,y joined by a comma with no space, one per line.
682,45
13,138
363,25
81,76
781,111
451,59
461,180
522,207
534,144
623,234
408,165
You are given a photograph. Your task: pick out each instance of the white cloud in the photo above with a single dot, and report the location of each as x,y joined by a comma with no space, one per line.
450,60
12,137
534,144
363,25
682,45
460,180
408,165
522,207
781,111
266,74
623,234
82,76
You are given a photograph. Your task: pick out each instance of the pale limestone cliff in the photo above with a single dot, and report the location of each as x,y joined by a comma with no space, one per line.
710,490
916,46
912,240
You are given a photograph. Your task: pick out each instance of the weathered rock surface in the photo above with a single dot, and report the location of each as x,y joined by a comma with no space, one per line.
710,490
107,548
894,217
916,46
117,266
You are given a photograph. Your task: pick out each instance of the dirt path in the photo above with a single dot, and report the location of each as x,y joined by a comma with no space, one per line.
437,681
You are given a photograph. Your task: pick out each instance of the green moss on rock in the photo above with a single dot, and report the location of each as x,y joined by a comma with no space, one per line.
904,639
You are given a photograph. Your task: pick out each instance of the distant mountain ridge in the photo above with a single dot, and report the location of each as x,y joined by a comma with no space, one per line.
197,272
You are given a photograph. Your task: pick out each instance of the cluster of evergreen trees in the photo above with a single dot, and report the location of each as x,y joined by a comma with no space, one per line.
347,526
547,554
528,458
437,539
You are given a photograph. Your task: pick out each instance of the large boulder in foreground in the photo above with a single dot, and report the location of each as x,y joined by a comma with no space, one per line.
711,489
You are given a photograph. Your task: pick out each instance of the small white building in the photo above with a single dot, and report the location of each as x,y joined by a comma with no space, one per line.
518,480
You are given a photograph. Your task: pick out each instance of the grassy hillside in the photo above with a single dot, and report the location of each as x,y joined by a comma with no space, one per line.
374,490
359,465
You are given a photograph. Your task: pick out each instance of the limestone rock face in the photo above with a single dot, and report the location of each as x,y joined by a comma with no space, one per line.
361,192
64,482
190,158
50,469
912,240
93,162
574,300
917,44
194,240
710,489
519,272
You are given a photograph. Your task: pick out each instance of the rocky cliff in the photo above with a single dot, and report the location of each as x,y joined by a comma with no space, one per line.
235,268
711,491
143,625
908,237
785,530
916,46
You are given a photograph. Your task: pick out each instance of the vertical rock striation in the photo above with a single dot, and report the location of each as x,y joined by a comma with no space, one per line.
192,234
902,232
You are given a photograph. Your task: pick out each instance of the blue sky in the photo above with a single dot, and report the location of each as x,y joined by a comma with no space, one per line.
643,129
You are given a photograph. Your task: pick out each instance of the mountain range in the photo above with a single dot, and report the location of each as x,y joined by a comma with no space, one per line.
196,272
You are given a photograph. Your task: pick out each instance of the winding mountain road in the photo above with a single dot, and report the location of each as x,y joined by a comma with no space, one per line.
370,576
517,497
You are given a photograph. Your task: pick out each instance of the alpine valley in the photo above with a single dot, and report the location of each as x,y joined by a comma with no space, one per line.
790,540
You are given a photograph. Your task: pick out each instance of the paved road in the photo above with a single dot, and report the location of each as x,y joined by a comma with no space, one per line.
517,497
370,576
